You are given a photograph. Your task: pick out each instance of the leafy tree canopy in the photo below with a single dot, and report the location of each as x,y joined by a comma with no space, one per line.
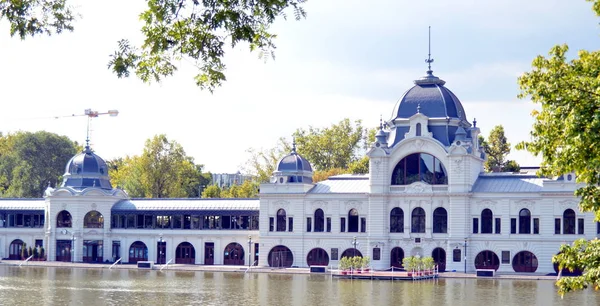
31,161
196,30
334,150
248,189
162,171
496,147
565,134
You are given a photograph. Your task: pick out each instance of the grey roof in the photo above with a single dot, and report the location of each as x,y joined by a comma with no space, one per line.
508,183
22,205
293,163
343,184
187,206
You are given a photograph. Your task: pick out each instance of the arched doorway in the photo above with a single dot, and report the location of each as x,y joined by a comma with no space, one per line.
351,252
233,254
14,252
185,254
138,251
317,257
280,257
525,261
487,260
439,256
396,257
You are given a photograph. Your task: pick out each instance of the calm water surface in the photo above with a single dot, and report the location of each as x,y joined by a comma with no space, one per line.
66,286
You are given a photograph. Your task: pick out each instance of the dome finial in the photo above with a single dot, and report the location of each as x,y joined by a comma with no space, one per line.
380,122
474,122
293,144
419,108
429,60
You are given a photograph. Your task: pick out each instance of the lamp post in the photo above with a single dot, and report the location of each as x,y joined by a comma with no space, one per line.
73,247
161,251
354,243
249,250
465,255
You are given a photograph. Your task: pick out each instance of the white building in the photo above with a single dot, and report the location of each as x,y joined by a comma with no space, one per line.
426,194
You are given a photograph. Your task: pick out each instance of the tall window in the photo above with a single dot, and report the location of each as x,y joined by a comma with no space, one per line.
397,220
94,219
63,219
440,220
418,131
569,222
418,220
281,220
419,167
486,221
319,220
353,220
524,221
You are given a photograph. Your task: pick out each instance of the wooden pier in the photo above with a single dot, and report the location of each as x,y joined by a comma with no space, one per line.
384,275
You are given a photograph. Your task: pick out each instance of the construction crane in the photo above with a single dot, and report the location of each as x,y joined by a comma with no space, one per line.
91,114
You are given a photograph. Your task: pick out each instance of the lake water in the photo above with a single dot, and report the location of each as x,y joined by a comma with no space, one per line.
67,286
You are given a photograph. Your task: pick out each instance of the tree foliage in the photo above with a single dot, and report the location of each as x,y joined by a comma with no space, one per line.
332,147
31,161
565,134
263,162
248,189
496,148
162,171
196,30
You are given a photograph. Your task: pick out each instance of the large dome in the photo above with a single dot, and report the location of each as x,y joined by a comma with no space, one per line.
430,98
293,162
85,170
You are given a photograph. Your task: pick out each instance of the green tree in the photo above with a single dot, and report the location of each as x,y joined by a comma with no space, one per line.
212,191
565,134
496,148
195,30
31,161
333,147
162,171
262,163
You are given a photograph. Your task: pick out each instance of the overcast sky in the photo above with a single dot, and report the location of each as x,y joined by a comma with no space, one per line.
345,60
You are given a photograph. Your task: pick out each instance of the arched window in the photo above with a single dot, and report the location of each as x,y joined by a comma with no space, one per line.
317,257
353,220
397,220
418,220
93,219
319,220
487,260
63,219
419,167
486,221
569,222
138,252
439,256
524,221
396,257
440,220
281,220
418,131
234,254
185,254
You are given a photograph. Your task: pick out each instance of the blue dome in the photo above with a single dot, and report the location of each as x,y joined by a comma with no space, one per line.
293,162
430,98
85,170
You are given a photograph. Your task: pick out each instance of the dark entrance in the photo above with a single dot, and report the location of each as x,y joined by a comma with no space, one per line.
525,261
209,253
185,254
317,257
161,252
439,256
397,255
138,251
255,254
63,250
92,251
487,260
352,252
15,250
116,250
233,255
280,257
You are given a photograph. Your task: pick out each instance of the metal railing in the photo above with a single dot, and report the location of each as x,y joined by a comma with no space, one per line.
116,262
26,260
166,265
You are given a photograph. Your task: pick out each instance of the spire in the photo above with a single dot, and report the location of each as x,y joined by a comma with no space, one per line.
293,145
419,108
429,60
474,122
380,122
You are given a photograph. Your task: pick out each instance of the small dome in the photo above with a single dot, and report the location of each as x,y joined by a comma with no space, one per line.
431,98
85,170
293,168
293,162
